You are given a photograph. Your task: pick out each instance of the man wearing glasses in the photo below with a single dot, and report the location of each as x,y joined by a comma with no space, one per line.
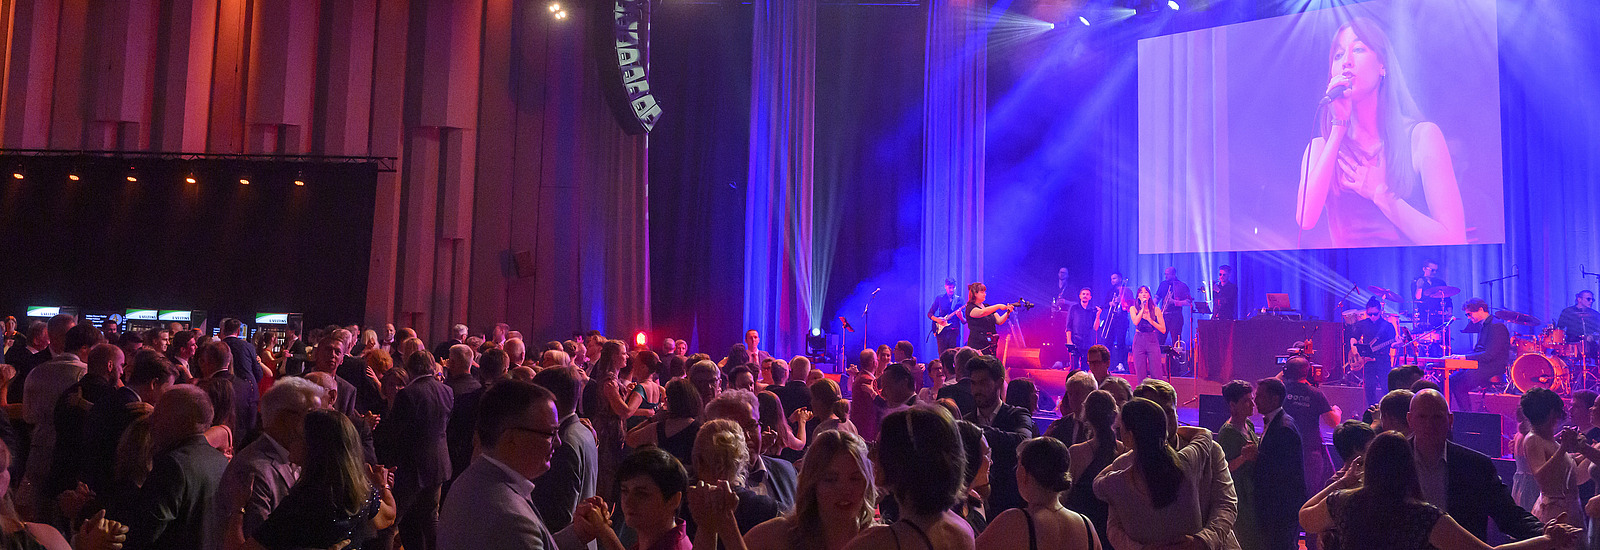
490,507
1581,322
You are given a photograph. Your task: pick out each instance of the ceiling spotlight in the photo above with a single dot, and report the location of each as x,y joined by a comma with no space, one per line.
555,7
17,175
132,178
561,14
1082,19
73,177
300,179
1174,5
243,181
190,179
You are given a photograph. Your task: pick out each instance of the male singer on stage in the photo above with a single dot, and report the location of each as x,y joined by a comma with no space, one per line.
1378,335
1492,351
1225,295
1174,296
945,314
1581,322
1081,317
1430,312
1114,320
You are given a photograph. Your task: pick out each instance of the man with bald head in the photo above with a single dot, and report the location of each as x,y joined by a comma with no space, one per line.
170,510
516,352
1461,481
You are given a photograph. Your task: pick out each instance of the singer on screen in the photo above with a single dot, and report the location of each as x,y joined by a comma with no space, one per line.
1380,172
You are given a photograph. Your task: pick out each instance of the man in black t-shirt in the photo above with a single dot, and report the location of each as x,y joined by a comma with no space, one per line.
1225,295
1081,318
1310,410
1377,334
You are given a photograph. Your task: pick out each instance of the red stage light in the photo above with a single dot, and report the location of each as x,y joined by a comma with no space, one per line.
641,338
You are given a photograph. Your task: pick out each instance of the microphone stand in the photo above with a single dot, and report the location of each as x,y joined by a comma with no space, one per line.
865,318
1490,284
1584,357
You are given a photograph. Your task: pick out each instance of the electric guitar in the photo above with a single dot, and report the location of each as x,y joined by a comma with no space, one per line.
942,323
1357,361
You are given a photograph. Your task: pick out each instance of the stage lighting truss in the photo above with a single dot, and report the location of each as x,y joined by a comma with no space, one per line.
384,164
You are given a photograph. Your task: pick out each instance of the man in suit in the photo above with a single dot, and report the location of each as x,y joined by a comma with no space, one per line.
574,468
961,391
1004,427
490,506
72,409
340,394
170,510
368,397
1458,480
148,378
247,378
260,475
1492,351
215,361
767,475
412,438
1279,472
458,335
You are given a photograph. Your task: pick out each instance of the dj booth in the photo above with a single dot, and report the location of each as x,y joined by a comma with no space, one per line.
1249,349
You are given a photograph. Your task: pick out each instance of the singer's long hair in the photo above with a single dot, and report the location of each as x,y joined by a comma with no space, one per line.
1397,109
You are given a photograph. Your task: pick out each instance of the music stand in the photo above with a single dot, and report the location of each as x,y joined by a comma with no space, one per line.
1202,308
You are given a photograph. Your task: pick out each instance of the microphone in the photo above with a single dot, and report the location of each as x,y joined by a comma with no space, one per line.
875,291
846,323
1335,93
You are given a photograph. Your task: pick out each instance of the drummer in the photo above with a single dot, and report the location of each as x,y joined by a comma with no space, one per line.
1581,322
1430,311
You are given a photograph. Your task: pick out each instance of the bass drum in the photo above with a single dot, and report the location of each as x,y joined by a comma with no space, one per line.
1533,370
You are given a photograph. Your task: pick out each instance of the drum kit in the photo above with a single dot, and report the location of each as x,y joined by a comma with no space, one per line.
1545,359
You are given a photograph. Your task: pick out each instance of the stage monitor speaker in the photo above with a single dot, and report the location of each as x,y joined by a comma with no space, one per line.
1477,431
1051,352
1213,412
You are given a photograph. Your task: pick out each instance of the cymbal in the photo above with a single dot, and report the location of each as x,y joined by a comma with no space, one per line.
1516,317
1441,291
1383,293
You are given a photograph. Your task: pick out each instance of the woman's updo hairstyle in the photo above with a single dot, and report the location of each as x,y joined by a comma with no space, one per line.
922,459
1046,461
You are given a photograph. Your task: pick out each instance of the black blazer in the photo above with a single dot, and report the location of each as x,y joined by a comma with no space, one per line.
1493,349
1279,478
412,437
1012,425
170,510
961,393
1477,494
368,397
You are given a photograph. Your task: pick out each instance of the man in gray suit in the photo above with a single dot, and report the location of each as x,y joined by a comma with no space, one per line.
261,474
574,468
489,506
169,511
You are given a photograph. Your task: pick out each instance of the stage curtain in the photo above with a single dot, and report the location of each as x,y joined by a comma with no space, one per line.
1182,220
954,108
778,218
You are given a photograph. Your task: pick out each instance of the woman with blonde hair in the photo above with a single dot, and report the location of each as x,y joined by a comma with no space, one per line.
834,498
721,460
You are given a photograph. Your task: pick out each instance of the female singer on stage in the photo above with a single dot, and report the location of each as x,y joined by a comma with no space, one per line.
1149,325
983,320
1383,173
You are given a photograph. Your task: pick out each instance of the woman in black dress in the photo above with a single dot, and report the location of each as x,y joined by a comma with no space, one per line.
337,497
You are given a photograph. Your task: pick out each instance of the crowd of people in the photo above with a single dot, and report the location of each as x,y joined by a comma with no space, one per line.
351,438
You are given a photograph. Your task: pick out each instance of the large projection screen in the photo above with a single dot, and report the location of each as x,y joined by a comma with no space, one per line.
1239,151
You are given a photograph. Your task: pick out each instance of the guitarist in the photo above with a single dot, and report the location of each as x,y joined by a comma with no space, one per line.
1378,334
946,316
1081,320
